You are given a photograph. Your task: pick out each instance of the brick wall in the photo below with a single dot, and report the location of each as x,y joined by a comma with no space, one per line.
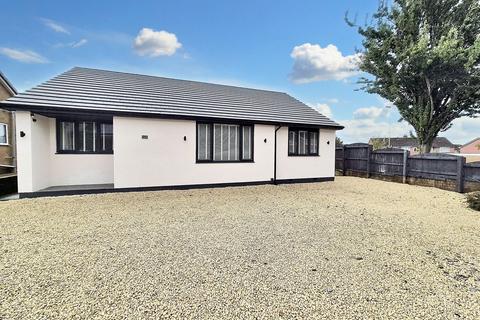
6,152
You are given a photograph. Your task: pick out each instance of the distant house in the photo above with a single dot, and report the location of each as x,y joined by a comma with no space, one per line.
472,147
7,128
440,144
90,130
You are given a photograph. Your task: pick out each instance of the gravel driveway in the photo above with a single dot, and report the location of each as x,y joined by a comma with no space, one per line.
353,248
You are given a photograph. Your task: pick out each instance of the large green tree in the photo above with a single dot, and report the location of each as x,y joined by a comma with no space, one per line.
424,57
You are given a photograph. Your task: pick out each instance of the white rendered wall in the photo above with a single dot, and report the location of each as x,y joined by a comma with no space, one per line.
165,159
40,167
73,169
306,167
32,152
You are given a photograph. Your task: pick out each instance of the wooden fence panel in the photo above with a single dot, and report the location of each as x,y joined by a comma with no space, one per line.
433,167
356,157
339,158
387,162
472,172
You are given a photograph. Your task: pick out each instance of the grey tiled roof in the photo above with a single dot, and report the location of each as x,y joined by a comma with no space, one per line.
117,92
438,142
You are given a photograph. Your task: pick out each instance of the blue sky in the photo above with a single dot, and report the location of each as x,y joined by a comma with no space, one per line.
301,47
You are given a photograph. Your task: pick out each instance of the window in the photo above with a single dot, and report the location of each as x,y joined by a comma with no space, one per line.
67,136
86,136
3,133
106,134
247,143
302,142
82,136
204,142
218,142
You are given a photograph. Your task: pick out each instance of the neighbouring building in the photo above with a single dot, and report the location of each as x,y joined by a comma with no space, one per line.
7,128
440,144
90,130
472,147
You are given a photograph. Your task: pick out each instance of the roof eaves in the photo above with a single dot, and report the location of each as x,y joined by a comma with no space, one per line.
41,109
7,84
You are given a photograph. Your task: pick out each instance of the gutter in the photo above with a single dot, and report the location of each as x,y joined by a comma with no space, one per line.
275,156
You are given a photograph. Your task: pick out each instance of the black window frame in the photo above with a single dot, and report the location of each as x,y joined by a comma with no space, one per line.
211,131
98,140
309,153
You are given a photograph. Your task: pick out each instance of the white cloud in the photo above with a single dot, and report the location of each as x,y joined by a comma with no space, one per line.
361,130
370,113
463,130
314,63
155,43
27,56
55,26
333,100
79,43
323,108
73,44
372,122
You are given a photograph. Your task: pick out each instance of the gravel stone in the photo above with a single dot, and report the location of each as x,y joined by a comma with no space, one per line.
349,249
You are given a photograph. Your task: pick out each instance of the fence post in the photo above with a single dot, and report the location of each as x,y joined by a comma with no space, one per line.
369,152
460,174
405,163
344,163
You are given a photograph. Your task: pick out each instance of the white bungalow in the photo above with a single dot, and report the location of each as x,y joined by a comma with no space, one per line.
91,131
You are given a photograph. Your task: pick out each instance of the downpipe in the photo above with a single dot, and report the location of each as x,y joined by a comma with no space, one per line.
275,156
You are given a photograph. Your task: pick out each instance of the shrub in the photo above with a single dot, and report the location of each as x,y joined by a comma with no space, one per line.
473,200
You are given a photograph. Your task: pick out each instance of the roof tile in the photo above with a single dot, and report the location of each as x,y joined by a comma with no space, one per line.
101,90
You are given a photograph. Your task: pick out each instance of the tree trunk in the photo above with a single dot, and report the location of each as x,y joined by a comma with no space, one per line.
425,147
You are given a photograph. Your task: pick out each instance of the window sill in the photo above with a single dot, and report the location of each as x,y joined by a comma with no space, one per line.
304,155
80,152
226,161
4,145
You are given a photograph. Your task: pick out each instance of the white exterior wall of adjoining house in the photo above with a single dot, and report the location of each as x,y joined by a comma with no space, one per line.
300,167
165,159
40,167
443,150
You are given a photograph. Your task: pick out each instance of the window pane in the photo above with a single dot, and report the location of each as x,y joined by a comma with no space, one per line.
106,137
87,136
67,136
313,142
234,147
292,141
302,142
3,133
217,142
247,143
226,142
203,141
